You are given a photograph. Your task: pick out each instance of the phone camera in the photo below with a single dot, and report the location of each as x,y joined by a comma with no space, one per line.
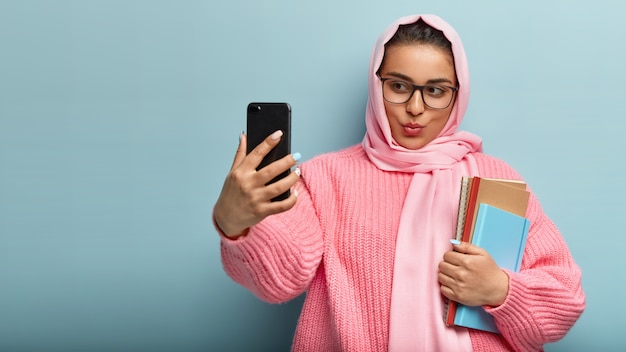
254,108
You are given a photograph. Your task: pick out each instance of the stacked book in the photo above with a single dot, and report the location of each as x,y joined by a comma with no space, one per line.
492,216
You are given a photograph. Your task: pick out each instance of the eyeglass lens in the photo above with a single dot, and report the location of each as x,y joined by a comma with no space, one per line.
434,96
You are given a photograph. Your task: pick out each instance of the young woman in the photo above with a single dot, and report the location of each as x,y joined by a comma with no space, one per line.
366,231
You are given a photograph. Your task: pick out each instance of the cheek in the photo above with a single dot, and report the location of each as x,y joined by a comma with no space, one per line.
442,120
389,112
388,109
392,118
440,125
394,110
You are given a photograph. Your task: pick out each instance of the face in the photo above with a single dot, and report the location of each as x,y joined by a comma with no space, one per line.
413,124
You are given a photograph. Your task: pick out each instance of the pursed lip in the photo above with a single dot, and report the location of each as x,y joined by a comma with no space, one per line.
412,129
412,125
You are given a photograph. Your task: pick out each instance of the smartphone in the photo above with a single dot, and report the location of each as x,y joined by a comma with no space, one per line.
264,119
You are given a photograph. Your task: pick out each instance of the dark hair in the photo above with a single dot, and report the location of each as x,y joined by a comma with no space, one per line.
420,33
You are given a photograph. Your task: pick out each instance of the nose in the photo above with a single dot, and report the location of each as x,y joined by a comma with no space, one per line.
415,105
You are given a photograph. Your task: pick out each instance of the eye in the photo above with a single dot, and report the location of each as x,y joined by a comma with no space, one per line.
436,91
400,86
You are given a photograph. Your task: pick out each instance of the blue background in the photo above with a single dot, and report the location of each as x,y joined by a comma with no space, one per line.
119,120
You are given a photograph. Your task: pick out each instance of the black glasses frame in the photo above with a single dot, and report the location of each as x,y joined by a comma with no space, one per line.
417,87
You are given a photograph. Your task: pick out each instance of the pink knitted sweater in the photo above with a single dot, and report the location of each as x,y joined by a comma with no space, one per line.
338,244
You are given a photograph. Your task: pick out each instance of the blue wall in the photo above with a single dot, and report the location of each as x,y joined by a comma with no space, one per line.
119,120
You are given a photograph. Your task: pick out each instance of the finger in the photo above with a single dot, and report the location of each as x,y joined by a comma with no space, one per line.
453,289
466,247
241,150
283,185
451,276
447,268
447,286
260,151
280,206
446,280
454,258
447,292
276,168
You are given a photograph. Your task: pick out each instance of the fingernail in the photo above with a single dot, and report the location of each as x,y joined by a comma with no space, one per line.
241,135
455,242
295,193
296,156
297,171
276,135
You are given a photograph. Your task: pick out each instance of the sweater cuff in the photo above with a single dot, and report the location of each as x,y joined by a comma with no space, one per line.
513,314
512,301
223,235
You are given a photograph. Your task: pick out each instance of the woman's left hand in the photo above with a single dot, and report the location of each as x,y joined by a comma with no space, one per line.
470,276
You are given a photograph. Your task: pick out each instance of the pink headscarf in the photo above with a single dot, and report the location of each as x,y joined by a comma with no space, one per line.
430,208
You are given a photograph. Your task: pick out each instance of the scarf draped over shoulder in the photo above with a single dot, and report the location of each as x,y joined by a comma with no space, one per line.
429,212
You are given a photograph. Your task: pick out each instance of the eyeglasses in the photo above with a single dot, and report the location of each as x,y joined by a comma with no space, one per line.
434,96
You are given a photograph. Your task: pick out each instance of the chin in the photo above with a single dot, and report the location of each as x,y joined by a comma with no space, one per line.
415,147
412,146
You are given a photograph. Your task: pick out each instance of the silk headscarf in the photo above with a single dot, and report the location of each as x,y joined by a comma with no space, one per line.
430,207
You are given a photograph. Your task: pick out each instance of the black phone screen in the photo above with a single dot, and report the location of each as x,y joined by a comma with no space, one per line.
264,119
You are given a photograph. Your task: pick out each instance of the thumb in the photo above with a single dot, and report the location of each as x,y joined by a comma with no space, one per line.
465,247
241,150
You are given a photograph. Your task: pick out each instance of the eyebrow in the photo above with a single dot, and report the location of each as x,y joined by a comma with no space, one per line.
409,79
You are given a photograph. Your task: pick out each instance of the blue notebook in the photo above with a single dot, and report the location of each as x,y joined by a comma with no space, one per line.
503,235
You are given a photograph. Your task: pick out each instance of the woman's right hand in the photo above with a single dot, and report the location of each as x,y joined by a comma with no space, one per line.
245,199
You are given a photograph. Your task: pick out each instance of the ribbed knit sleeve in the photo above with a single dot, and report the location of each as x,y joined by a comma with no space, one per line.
278,257
545,298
